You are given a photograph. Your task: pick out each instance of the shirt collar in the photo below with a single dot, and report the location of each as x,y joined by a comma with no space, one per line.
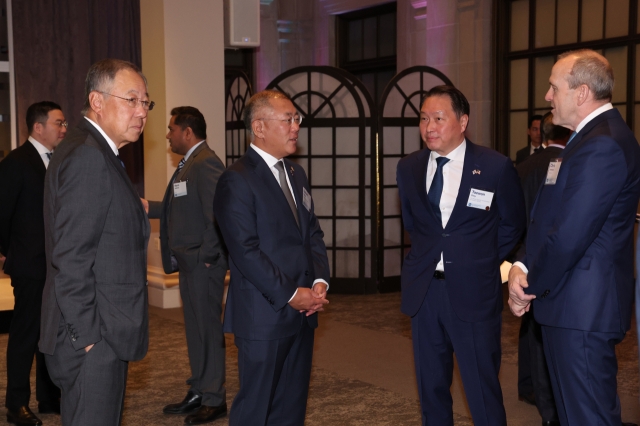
41,148
594,114
456,155
555,145
108,139
193,148
268,158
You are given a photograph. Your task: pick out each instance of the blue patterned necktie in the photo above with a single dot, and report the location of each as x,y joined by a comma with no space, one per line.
435,191
571,137
181,164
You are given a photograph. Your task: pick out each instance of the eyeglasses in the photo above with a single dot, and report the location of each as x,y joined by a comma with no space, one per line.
293,119
133,102
61,123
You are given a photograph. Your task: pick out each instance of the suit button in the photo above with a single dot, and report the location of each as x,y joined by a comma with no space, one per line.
306,273
73,339
445,235
545,294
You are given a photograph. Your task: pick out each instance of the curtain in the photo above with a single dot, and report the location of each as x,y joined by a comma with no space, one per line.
55,43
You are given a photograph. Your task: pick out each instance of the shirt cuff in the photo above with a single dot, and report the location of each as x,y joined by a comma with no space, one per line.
320,280
294,295
521,266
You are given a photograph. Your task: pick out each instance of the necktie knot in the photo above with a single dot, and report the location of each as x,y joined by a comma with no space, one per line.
181,164
49,154
442,161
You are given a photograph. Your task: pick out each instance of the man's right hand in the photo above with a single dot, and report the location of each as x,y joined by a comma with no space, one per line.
519,301
308,300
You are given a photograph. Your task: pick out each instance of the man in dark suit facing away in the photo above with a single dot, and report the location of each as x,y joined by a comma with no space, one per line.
192,244
578,264
279,266
532,173
94,306
462,206
22,243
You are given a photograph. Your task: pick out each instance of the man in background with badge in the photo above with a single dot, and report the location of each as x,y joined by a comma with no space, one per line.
191,243
578,264
463,207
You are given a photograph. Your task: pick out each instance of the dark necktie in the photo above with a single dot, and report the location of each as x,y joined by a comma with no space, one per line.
285,190
537,149
121,162
435,191
49,154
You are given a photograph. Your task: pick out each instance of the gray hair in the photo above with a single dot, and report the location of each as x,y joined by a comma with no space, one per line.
592,69
101,75
257,102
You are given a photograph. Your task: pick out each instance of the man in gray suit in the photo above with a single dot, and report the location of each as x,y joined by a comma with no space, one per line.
94,307
192,245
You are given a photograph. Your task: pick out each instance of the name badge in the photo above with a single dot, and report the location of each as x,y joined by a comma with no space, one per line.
552,171
306,199
479,199
180,189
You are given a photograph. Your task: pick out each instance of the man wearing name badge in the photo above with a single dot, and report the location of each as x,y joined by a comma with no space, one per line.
22,241
192,244
578,265
279,266
463,208
94,304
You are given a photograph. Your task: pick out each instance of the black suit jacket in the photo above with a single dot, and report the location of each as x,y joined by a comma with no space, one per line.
533,172
96,234
21,221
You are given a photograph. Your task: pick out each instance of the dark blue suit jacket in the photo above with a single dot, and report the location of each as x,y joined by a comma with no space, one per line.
473,244
269,256
579,248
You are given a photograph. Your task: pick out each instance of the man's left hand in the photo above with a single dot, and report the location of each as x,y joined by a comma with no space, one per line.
519,301
319,291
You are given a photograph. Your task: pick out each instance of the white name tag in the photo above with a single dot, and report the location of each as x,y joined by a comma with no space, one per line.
179,189
479,199
552,171
306,199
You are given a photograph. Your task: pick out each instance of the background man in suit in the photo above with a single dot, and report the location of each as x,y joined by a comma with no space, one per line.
535,140
191,243
532,173
462,206
22,243
94,307
579,251
279,266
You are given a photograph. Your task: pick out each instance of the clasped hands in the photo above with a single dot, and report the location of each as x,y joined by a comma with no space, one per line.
519,301
310,300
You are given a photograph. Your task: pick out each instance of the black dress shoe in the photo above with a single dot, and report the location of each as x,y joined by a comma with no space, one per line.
551,423
49,407
206,414
189,404
22,416
529,398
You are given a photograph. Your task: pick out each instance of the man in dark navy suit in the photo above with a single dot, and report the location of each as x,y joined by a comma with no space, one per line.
279,266
22,242
463,207
578,264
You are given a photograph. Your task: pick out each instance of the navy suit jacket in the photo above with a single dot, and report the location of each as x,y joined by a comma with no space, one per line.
579,248
474,242
269,256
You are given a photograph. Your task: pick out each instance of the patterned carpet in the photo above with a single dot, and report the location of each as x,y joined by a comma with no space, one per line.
334,399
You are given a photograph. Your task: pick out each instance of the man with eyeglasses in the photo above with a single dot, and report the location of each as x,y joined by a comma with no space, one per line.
94,305
22,243
279,266
192,244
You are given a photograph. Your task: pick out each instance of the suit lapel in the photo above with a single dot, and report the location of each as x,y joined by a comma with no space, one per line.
190,161
420,168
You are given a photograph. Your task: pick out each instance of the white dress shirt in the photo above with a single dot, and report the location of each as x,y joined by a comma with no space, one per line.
451,178
271,162
42,150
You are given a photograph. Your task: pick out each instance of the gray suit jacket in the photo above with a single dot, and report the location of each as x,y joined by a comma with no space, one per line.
96,235
187,227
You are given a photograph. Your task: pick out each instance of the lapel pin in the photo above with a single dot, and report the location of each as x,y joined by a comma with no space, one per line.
291,170
476,172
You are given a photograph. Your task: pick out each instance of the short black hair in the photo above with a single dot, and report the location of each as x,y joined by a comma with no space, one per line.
459,102
534,118
551,132
188,116
39,113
